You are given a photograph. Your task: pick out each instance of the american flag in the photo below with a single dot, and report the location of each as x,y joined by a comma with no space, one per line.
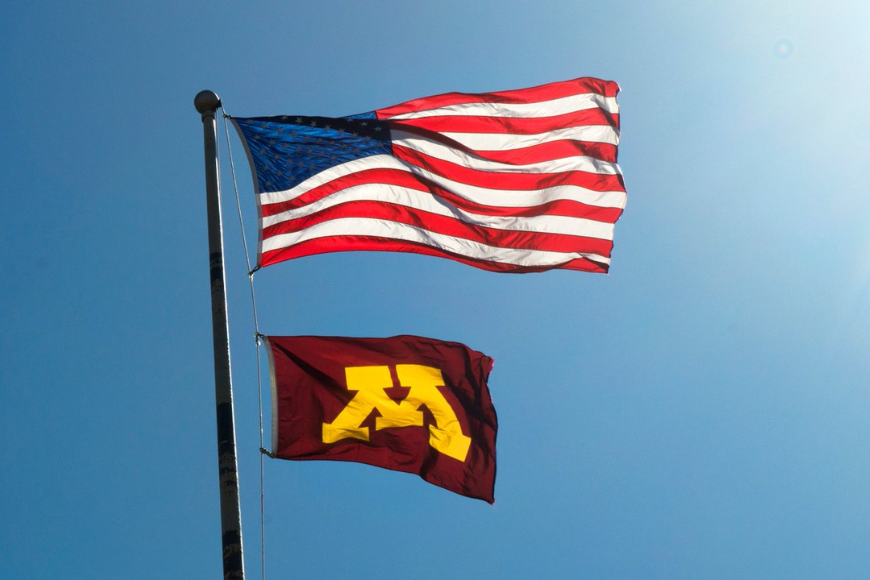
511,181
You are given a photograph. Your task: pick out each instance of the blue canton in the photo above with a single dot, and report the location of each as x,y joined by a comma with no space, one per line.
288,150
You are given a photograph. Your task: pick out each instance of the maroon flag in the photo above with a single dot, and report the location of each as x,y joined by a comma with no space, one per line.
404,403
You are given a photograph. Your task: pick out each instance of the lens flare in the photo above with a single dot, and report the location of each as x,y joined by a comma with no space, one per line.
783,48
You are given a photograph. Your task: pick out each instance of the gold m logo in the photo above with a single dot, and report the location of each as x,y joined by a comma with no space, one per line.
370,384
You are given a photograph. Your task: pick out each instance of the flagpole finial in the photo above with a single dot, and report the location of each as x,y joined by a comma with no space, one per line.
206,101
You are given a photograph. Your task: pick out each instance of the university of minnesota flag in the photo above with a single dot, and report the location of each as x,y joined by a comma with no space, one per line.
404,403
511,181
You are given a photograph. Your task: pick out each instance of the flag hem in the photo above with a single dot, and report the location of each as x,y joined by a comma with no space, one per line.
257,192
274,388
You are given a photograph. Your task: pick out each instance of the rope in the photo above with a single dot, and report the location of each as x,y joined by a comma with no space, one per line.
257,336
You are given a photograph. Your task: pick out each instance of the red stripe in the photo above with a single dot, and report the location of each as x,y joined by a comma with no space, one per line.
527,240
507,181
359,243
396,177
531,95
531,154
550,151
512,125
554,150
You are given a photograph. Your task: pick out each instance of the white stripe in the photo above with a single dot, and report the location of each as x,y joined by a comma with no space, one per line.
475,194
425,201
478,162
525,198
549,108
480,195
336,171
396,231
501,141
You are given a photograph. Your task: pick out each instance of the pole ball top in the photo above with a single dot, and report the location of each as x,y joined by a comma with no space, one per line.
206,101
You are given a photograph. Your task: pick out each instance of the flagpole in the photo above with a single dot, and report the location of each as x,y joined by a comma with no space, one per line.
207,103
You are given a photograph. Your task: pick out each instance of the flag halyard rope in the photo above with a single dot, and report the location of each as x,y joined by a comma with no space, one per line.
258,342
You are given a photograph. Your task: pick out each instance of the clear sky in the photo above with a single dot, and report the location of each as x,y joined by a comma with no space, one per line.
703,411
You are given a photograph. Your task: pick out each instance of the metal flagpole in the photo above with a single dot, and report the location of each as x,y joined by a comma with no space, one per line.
207,103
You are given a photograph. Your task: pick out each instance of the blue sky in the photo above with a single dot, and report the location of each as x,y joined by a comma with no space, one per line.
700,412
